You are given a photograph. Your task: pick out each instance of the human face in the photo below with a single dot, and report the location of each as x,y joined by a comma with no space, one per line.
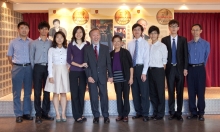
137,32
117,43
23,30
44,31
143,24
79,34
56,24
196,31
154,36
173,28
95,37
59,39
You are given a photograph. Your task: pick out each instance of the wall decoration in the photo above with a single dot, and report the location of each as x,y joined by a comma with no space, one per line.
121,31
164,16
106,27
123,16
80,16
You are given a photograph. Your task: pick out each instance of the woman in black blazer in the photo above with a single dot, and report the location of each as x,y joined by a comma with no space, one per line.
122,69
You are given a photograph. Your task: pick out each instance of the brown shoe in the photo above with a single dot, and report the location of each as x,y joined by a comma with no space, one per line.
119,118
125,119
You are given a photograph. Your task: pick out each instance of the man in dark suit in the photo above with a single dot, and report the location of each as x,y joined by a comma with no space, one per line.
99,62
176,68
143,23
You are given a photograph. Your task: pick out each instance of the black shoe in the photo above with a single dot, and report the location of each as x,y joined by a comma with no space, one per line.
19,119
171,117
38,120
79,120
153,116
46,117
146,118
136,116
84,119
96,120
119,118
106,120
192,117
158,118
27,117
201,118
180,118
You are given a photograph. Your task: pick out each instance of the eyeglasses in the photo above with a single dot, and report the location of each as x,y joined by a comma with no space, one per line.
153,33
173,26
195,30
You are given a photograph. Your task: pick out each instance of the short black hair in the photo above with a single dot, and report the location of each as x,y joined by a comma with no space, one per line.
153,28
94,29
199,25
74,33
56,20
137,25
54,43
43,24
173,21
23,23
116,36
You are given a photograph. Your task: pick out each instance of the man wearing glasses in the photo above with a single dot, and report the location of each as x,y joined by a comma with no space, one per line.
176,68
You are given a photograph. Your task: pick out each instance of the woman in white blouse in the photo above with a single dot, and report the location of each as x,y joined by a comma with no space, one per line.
58,80
156,73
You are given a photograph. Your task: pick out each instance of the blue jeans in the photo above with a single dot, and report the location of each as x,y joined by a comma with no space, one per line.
22,76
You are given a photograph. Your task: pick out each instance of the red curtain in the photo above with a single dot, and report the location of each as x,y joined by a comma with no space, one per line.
34,19
211,28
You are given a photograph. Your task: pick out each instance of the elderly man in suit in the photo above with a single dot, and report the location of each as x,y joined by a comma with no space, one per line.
176,68
99,63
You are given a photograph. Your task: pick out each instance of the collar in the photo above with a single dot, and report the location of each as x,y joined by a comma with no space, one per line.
95,45
199,40
74,43
173,38
155,44
139,39
59,48
27,39
40,39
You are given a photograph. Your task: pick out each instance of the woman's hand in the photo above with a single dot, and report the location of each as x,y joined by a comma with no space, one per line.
51,80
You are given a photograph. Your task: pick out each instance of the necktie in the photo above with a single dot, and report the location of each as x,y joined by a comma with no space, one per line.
174,52
135,53
96,52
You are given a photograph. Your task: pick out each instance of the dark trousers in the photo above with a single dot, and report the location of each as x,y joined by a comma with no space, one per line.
122,90
196,87
175,82
77,88
40,76
157,90
97,89
140,92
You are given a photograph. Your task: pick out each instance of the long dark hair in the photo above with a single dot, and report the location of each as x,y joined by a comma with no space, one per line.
54,43
74,33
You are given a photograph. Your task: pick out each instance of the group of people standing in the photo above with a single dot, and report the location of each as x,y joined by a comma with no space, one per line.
59,68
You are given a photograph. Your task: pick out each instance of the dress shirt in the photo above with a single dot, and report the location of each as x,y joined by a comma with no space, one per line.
98,45
19,50
39,51
158,55
198,51
56,56
79,46
171,40
143,52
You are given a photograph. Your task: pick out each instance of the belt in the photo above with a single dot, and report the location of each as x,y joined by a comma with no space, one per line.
138,65
195,65
26,64
173,64
155,68
42,64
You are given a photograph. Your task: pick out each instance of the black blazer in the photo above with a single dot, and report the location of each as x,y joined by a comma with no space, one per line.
181,53
126,62
97,69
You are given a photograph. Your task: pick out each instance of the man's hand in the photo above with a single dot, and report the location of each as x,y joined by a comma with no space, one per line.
84,65
143,77
185,72
51,80
110,80
91,80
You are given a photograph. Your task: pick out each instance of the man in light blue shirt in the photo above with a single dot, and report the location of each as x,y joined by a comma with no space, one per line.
18,57
198,50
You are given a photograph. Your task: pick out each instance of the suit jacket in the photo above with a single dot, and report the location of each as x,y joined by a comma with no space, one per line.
97,69
181,53
126,62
